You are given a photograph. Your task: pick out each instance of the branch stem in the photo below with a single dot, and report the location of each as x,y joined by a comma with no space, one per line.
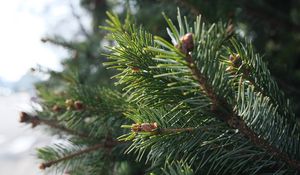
174,130
35,120
81,152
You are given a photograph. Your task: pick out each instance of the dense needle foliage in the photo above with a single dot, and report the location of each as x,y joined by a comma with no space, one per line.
197,100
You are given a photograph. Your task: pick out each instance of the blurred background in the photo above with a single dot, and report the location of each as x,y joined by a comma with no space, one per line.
24,23
41,39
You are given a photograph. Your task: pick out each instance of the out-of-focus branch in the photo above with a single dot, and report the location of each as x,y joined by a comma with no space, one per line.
35,121
78,19
195,11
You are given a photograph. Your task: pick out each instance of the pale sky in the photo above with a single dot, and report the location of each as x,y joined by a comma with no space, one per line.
23,24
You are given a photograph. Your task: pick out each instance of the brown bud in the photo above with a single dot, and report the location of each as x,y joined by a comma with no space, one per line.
148,127
144,127
69,102
187,43
56,108
135,127
42,166
35,121
24,117
78,105
135,69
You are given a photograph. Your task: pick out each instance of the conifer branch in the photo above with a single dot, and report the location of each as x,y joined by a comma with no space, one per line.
35,120
77,17
237,68
233,120
70,46
107,145
213,87
58,43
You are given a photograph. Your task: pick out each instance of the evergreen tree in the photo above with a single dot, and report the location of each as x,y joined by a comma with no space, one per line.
196,99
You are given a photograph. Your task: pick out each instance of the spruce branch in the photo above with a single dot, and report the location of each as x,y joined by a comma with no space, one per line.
35,120
106,145
78,19
233,120
59,42
244,63
256,86
221,108
181,69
